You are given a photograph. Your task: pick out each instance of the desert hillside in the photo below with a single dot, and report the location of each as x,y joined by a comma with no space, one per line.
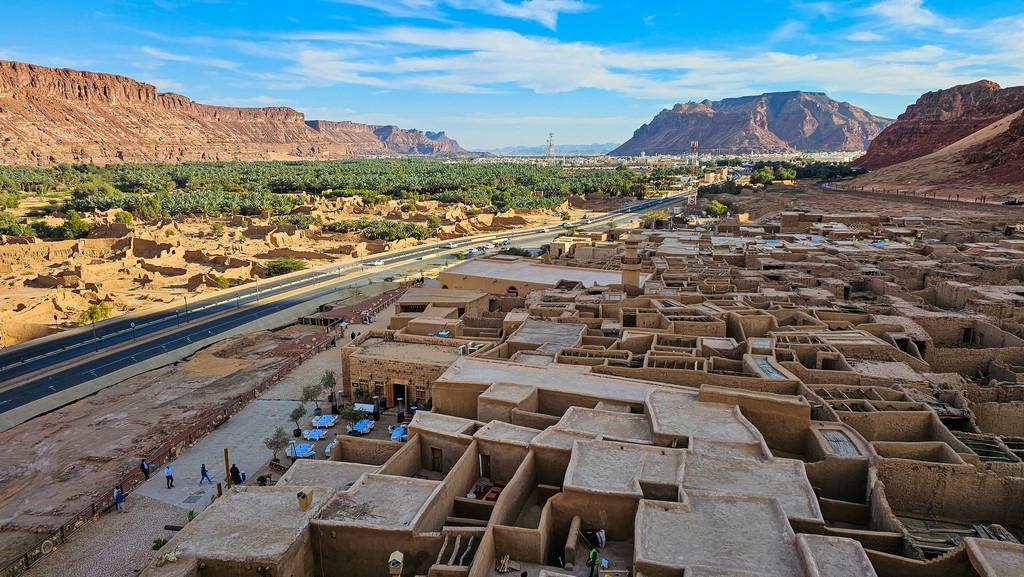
965,142
941,118
779,122
50,115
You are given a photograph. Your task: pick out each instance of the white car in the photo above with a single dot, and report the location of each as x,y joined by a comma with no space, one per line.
488,246
470,250
375,263
451,245
545,230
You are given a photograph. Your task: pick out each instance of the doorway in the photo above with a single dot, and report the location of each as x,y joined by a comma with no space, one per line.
436,460
485,466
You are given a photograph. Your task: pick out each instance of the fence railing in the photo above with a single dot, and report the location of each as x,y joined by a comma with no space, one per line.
166,453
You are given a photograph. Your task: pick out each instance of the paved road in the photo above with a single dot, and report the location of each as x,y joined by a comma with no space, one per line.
170,329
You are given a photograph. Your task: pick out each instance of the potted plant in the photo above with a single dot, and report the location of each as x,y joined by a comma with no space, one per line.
276,442
329,384
297,413
311,394
351,415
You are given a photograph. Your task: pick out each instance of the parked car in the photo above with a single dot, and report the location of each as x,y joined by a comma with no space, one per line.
1013,202
488,246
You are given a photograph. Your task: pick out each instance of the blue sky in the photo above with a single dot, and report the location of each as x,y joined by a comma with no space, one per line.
506,72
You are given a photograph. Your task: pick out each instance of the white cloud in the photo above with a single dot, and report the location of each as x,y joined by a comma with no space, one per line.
252,101
165,84
544,12
906,13
865,36
487,60
202,60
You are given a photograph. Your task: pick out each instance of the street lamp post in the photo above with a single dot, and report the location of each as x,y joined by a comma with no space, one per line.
186,309
177,319
95,339
133,331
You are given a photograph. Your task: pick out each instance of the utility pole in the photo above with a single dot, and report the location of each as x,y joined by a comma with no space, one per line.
186,308
95,339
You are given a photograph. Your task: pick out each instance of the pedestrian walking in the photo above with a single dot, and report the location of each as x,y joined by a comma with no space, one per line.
236,475
145,469
168,476
203,474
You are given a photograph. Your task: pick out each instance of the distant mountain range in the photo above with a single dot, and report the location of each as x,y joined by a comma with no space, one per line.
51,115
776,122
560,149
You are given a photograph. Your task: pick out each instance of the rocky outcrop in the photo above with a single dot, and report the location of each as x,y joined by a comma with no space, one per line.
779,122
50,115
941,118
386,139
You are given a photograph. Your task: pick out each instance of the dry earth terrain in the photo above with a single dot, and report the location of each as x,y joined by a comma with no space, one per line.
44,285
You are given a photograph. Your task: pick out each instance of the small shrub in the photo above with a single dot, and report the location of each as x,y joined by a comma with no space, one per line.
169,232
221,282
158,543
217,228
285,265
123,218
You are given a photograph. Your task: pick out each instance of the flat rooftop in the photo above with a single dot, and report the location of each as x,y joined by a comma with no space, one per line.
502,431
623,426
682,415
440,422
555,336
380,500
227,530
571,379
718,533
336,475
782,479
439,296
535,272
409,352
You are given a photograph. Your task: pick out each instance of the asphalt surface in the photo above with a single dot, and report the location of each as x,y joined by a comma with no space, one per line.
169,329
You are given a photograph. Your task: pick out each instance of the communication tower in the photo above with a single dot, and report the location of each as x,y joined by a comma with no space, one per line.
693,157
551,145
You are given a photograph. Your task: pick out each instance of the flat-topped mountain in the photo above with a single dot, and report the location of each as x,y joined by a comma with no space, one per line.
776,122
51,115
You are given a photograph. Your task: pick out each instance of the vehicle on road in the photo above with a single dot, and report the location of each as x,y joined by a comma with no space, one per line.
545,230
470,250
376,263
587,221
1013,202
506,242
566,225
452,245
488,246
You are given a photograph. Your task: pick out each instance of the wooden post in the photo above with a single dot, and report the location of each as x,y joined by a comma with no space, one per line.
227,468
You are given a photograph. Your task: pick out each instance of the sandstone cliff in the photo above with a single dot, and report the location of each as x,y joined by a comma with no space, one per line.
780,122
941,118
50,115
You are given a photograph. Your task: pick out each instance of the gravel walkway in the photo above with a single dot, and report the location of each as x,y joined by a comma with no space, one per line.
118,545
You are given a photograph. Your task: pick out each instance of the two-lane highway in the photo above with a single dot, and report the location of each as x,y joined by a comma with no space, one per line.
168,329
